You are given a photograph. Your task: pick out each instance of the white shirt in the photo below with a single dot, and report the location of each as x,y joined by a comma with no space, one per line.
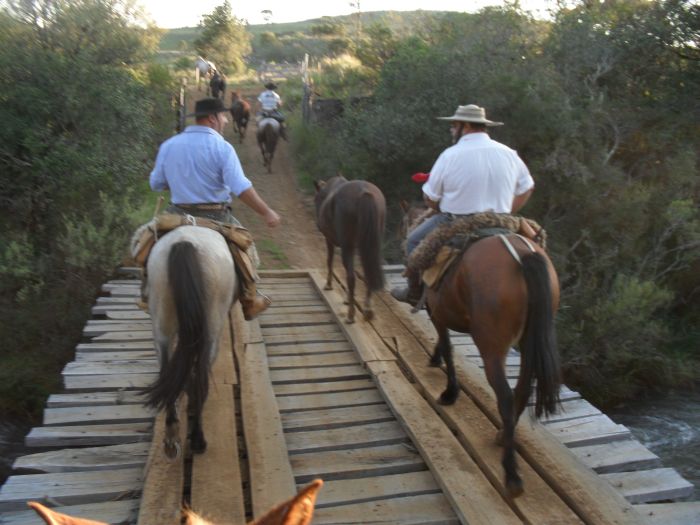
269,100
477,174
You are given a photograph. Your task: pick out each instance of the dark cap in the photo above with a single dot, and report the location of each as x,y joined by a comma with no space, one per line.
208,106
270,85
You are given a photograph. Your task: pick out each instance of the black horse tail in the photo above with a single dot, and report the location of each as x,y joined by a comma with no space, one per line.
190,360
538,346
369,241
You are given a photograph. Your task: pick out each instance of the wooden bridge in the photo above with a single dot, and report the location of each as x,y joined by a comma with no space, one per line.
298,395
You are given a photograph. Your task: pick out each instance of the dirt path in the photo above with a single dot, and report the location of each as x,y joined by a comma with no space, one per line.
296,243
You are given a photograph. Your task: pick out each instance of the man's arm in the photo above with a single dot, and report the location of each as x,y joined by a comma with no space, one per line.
520,200
251,199
431,203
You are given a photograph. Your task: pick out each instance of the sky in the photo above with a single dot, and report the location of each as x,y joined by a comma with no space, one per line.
168,14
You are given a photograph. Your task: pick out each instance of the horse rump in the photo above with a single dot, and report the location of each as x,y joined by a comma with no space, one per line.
186,281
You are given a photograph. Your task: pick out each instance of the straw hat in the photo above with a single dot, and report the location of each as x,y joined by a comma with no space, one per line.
471,113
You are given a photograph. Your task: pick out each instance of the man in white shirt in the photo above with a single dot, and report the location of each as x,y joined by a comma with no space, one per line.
476,174
269,103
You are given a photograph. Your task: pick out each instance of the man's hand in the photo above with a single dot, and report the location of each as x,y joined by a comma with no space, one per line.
272,219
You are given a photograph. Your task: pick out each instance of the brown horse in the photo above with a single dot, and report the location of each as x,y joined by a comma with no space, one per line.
268,134
350,214
502,302
240,112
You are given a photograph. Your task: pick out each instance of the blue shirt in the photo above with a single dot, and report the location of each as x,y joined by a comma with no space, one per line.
198,166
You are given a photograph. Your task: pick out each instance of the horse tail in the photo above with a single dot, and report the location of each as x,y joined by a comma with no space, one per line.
190,359
369,240
538,346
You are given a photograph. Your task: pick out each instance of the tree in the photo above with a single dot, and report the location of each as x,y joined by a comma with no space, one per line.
224,39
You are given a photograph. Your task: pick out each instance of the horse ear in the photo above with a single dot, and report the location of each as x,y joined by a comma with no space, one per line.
404,205
190,518
56,518
318,184
296,511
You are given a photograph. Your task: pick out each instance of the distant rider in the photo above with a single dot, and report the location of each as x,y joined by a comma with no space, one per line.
269,103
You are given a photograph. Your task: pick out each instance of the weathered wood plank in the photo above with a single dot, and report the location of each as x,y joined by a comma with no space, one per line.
82,459
112,512
678,513
320,331
136,346
97,414
588,431
91,368
120,397
117,357
108,382
272,340
271,479
308,349
340,373
357,436
328,400
91,330
335,417
355,463
293,389
317,360
428,509
161,499
277,309
617,456
126,315
74,436
141,335
70,488
292,319
650,485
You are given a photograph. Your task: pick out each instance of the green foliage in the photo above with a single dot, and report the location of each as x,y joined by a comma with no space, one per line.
80,127
602,105
224,39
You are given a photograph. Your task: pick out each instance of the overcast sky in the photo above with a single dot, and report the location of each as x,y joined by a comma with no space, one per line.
169,14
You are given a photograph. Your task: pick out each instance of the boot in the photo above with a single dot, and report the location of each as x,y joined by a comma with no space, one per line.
283,132
253,303
412,293
142,303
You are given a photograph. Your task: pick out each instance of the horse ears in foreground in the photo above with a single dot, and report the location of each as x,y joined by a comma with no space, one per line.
295,511
318,184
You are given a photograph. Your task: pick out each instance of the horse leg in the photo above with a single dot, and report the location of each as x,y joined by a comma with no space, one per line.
494,366
368,313
348,256
444,349
330,252
197,442
171,442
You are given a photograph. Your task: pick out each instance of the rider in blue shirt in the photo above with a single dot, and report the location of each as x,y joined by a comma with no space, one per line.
202,170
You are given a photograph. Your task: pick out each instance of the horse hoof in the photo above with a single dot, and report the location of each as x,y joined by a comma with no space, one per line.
447,398
514,488
172,449
368,315
198,447
499,438
328,287
435,362
350,320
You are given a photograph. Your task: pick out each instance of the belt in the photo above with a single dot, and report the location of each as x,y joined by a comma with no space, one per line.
204,206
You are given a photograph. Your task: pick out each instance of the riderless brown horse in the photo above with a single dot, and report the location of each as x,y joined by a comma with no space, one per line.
504,291
268,134
240,112
350,214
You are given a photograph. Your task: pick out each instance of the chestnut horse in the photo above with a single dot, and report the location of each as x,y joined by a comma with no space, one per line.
268,134
191,286
240,112
501,302
350,214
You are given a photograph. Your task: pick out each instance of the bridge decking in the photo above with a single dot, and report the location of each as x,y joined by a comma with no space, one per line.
299,394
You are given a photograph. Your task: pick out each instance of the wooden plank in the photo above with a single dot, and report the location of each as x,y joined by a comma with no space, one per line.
88,435
678,513
269,274
304,338
136,346
428,509
324,387
328,400
312,361
308,348
107,357
117,300
108,382
91,368
216,487
93,458
141,335
103,328
277,309
126,315
335,417
577,485
292,319
70,488
357,436
103,309
97,414
355,463
571,409
354,332
617,456
344,491
320,331
161,499
111,512
588,431
121,397
650,485
340,373
271,479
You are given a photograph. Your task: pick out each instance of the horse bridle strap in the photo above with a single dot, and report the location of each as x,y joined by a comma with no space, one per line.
511,248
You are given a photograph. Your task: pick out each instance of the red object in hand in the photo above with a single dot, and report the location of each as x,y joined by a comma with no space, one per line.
420,177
